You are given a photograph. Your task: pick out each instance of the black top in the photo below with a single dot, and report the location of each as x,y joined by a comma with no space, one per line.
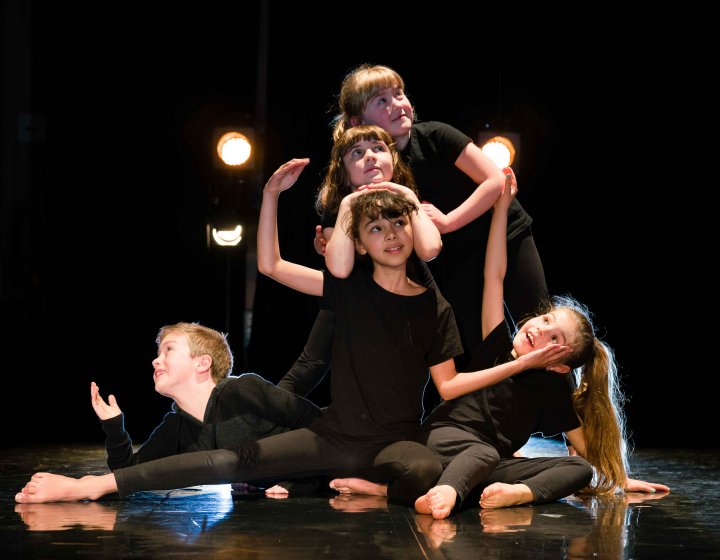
508,413
239,408
431,154
383,346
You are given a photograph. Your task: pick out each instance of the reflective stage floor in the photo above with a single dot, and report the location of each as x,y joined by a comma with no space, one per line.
217,522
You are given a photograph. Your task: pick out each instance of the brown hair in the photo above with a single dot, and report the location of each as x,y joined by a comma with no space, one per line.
336,184
358,87
598,399
377,203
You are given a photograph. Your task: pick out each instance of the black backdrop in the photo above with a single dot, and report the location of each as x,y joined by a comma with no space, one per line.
104,212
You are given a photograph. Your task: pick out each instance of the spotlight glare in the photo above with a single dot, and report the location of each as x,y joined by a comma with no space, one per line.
500,150
234,148
227,237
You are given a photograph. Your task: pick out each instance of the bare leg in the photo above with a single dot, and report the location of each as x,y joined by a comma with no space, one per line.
47,487
358,486
439,501
499,494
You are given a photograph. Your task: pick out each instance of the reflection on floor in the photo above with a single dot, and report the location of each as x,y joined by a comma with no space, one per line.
222,522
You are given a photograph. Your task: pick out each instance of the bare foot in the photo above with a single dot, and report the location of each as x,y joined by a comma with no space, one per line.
499,494
47,487
500,520
358,486
63,516
436,531
439,501
277,492
422,505
358,503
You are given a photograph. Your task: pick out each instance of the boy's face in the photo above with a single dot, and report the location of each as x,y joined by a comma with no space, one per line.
368,161
173,367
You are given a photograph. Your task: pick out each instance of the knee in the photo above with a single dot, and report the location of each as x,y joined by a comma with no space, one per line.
425,473
583,469
224,463
488,457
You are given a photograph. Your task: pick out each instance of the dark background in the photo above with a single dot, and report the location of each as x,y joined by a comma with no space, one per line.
105,197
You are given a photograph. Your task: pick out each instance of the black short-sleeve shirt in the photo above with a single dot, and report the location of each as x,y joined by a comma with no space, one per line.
508,413
384,344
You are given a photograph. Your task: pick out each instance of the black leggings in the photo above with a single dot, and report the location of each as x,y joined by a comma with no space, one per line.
471,463
296,454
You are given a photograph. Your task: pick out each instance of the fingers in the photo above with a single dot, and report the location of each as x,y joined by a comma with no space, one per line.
655,487
510,175
510,181
295,162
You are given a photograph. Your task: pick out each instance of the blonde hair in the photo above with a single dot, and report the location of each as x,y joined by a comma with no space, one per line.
358,87
336,184
203,340
598,399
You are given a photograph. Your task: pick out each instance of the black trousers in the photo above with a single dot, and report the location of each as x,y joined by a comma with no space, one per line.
472,464
408,467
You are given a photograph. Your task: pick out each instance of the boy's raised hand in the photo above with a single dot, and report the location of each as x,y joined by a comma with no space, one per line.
104,410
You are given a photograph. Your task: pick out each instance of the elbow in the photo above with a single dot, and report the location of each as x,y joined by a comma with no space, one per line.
429,253
446,394
338,271
266,268
338,266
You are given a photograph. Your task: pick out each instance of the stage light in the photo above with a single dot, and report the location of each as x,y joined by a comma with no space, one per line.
234,148
227,237
501,148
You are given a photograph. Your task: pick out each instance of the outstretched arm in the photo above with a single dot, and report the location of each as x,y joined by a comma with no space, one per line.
270,263
576,438
493,310
480,168
451,385
314,361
